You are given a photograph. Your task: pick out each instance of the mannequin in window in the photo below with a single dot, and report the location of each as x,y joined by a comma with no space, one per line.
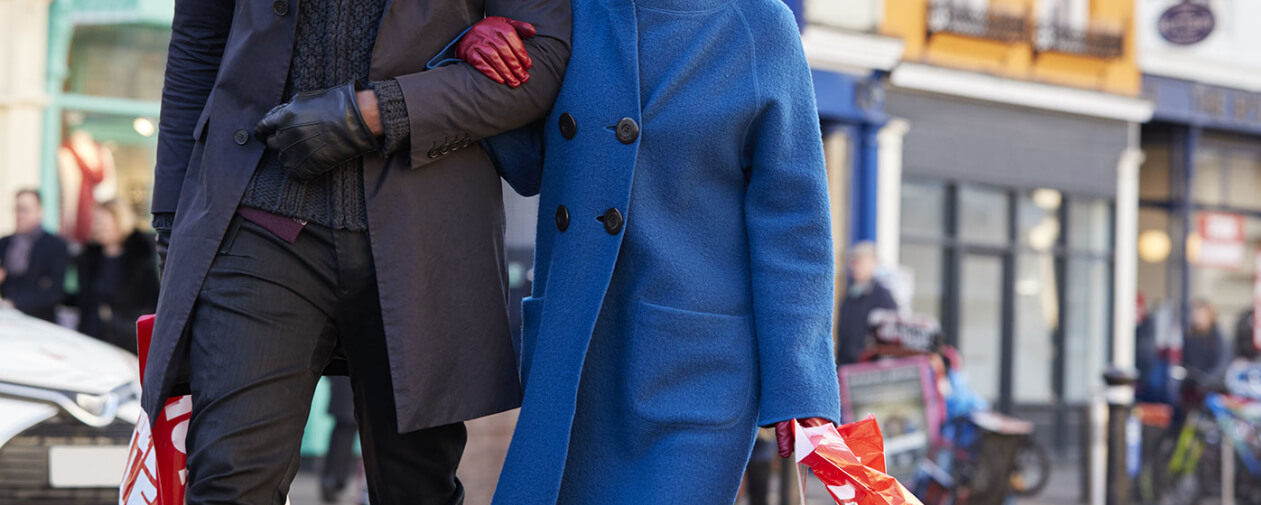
87,177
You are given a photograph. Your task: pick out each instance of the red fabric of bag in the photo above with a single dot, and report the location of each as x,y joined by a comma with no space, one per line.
156,470
850,462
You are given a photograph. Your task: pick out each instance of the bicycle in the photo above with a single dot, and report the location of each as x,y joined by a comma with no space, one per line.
1187,465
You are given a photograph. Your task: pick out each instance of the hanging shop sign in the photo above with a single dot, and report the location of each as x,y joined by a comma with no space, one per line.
1221,241
1187,23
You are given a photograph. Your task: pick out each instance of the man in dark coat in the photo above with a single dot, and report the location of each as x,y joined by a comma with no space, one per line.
32,261
327,206
864,295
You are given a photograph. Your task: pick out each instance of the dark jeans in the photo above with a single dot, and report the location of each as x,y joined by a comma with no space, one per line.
268,320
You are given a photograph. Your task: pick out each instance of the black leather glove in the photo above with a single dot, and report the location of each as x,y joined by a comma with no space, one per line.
162,222
317,131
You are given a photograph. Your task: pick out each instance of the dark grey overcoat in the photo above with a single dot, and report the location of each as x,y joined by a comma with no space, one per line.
435,214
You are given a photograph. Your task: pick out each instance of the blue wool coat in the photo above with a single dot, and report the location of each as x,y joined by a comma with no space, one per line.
683,276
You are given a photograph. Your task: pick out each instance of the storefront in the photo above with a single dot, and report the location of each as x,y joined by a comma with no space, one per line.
1200,215
105,67
1007,226
1202,179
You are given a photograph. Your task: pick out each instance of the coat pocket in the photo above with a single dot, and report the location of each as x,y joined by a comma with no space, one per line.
691,368
531,313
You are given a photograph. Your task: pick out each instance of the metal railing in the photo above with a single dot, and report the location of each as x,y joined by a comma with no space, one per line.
946,16
1093,42
1010,25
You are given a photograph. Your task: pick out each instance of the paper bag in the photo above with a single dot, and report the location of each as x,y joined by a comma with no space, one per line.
156,471
850,462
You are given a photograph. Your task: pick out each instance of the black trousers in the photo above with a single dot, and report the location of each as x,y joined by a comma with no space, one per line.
269,318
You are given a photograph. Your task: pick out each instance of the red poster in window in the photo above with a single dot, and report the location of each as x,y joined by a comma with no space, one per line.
1221,241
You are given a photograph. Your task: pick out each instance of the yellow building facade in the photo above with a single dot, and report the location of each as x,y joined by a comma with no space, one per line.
1086,44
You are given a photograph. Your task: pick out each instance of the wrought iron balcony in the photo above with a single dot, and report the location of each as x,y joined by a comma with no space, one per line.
1093,42
946,16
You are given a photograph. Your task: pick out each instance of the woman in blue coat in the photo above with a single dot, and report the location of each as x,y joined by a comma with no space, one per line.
683,275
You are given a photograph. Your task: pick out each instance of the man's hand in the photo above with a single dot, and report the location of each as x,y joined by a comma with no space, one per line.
784,433
3,275
493,46
317,131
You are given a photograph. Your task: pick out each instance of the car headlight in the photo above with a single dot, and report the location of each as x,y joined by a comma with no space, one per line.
96,405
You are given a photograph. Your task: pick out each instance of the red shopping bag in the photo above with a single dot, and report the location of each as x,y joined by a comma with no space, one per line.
156,469
850,462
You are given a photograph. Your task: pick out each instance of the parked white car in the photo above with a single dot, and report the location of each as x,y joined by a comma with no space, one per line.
68,405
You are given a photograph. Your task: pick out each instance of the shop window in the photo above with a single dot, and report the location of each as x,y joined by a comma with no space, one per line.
925,264
1037,303
1208,184
1038,219
1086,325
1090,225
121,61
982,216
923,209
1037,290
1037,321
1244,168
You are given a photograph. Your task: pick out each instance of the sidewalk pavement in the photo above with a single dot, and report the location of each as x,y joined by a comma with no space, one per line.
488,443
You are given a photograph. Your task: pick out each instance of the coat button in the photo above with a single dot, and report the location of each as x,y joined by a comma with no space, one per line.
280,7
612,221
627,130
433,153
562,218
241,137
568,127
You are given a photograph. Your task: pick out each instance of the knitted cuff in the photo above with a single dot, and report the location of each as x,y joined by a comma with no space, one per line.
163,220
393,115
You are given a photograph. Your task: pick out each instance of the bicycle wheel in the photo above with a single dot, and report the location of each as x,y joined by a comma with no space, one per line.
1177,481
1031,469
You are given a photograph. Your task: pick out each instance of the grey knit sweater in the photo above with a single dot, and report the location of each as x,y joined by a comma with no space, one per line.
332,45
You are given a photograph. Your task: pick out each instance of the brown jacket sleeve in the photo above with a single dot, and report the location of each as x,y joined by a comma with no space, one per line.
455,103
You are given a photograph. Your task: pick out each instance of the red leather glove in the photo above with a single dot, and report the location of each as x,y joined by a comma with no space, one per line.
493,46
784,433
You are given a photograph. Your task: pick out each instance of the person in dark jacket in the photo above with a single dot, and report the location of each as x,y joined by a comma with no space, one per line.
864,295
118,277
323,206
32,261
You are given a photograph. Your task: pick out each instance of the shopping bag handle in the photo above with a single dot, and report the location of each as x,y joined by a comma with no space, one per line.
801,484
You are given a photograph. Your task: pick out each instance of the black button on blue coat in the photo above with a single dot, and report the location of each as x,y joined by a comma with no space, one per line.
562,218
568,126
241,137
627,130
612,221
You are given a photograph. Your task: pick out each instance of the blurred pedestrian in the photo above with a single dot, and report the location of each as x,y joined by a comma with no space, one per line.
1245,346
863,295
32,261
1204,351
118,276
339,460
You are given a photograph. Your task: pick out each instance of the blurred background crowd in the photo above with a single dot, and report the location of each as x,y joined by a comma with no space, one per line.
1063,184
